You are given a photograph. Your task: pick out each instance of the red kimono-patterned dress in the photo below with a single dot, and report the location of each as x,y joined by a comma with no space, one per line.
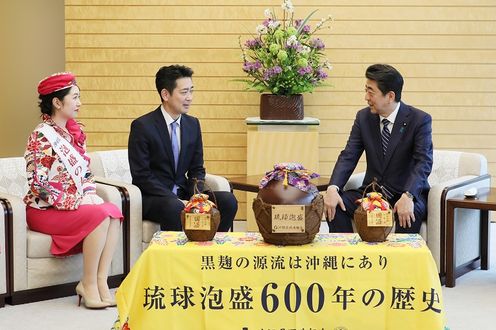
53,200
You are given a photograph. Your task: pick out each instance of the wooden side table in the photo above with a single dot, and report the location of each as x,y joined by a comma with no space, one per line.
485,202
250,183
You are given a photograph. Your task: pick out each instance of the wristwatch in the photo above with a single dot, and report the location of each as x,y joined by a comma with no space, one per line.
409,195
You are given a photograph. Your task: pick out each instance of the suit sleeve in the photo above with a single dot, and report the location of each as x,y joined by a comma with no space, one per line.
139,163
422,156
196,169
349,157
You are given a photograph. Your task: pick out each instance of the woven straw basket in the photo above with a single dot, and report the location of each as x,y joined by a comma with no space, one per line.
202,235
313,216
370,234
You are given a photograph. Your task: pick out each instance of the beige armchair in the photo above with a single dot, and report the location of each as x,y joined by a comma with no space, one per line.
4,220
112,167
452,173
35,273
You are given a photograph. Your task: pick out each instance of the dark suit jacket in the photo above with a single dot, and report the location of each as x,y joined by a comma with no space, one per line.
151,159
408,160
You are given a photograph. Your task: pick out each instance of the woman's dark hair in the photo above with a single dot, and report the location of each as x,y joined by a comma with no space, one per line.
45,102
388,79
167,75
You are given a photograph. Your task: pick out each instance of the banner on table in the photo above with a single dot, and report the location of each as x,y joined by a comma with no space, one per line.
239,282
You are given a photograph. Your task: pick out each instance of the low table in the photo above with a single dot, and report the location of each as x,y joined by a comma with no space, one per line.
237,281
485,202
250,183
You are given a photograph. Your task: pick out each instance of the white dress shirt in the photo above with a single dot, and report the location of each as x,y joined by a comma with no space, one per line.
169,120
391,118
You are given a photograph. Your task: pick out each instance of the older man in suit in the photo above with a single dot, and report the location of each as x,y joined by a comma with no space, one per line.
166,153
397,140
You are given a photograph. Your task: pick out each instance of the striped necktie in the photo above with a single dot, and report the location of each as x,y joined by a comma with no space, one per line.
385,135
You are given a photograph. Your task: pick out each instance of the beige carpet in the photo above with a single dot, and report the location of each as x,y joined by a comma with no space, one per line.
471,305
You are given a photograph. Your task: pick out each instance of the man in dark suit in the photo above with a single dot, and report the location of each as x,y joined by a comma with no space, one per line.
166,154
397,140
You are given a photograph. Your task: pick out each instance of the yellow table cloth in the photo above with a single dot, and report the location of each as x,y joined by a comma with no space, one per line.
239,282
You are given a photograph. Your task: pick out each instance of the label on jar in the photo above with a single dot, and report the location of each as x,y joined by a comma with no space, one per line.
288,218
379,218
197,221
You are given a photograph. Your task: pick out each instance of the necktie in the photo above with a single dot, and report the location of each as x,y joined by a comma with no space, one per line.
175,148
385,135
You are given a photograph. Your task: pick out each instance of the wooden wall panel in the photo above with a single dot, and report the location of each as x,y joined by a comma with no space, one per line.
446,50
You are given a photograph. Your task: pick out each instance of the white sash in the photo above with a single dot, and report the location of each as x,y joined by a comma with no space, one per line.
76,165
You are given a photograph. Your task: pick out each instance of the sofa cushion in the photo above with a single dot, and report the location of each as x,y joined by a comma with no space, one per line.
38,245
149,228
44,272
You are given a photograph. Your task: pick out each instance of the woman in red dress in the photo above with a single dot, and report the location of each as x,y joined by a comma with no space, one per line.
62,200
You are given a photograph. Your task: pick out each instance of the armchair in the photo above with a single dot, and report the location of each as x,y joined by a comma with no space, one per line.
112,168
452,173
34,273
3,253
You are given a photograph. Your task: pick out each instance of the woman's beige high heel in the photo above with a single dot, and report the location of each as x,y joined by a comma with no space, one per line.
110,302
89,303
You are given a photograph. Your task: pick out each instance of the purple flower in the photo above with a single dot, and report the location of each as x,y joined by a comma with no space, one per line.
266,22
306,28
251,66
317,43
321,74
271,72
253,43
305,70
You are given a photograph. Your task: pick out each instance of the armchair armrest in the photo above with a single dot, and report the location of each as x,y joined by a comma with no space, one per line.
110,194
17,234
4,267
217,182
132,211
355,181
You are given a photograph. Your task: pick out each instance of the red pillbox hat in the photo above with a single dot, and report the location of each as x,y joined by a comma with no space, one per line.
56,82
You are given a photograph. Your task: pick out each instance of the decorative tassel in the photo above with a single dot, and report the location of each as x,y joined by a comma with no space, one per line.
285,181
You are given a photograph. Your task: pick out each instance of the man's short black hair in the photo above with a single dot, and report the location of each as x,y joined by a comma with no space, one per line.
167,75
388,79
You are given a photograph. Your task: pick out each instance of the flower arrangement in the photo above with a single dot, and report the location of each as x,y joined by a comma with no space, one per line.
284,57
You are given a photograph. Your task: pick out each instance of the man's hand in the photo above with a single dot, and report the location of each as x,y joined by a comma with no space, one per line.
331,201
404,209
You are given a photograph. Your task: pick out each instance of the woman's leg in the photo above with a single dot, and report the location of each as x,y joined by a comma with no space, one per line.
106,258
93,246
